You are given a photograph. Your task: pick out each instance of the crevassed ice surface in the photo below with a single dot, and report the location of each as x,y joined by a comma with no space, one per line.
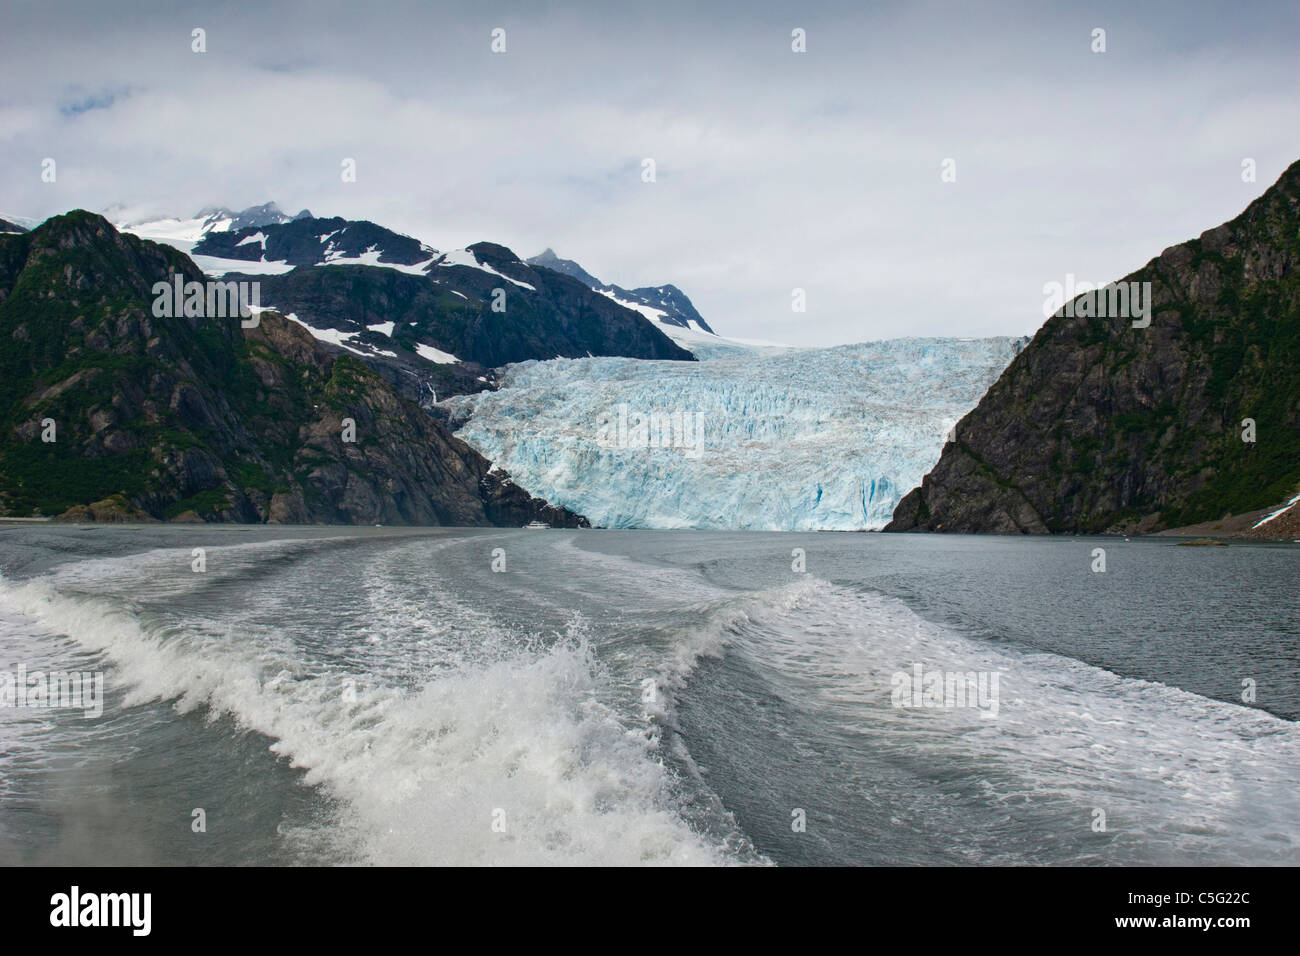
755,439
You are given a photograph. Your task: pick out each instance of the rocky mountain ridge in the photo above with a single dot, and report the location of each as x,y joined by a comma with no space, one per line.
1104,424
665,304
110,411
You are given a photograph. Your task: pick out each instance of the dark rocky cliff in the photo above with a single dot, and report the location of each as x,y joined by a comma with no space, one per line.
1098,426
450,305
198,418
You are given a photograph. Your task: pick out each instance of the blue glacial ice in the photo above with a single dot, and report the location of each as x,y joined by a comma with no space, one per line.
755,438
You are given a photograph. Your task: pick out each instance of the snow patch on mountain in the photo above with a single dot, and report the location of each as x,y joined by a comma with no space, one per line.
766,438
343,340
663,305
171,229
465,257
217,267
336,257
435,355
1278,513
653,314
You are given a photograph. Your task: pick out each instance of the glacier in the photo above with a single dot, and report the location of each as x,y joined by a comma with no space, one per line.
748,438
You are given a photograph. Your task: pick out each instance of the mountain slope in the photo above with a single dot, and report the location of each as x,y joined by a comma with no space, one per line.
665,304
307,241
213,219
395,301
1098,426
199,418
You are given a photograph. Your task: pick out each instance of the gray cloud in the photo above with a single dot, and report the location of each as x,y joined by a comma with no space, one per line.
775,170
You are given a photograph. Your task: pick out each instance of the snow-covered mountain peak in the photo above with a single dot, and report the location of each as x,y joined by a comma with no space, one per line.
665,305
211,219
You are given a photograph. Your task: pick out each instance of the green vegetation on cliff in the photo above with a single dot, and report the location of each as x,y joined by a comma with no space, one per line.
1099,426
168,417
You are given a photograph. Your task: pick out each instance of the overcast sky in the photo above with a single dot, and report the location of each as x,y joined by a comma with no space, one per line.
775,170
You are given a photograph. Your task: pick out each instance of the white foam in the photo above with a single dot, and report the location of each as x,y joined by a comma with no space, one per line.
1193,776
516,734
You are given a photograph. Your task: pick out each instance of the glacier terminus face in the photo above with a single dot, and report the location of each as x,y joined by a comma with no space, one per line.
772,439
